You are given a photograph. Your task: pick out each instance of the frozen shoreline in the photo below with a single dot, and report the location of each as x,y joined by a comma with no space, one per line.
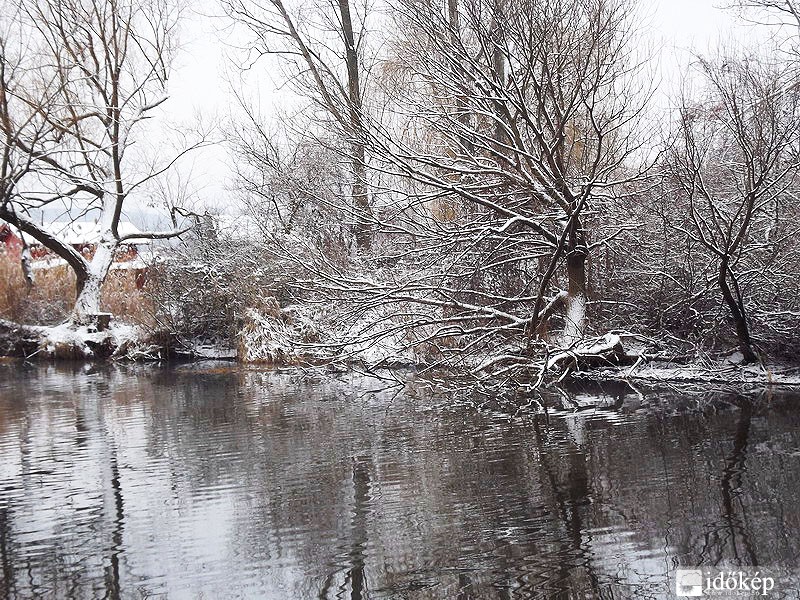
128,342
722,372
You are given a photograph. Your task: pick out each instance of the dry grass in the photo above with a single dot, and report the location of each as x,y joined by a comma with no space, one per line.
122,298
12,288
46,302
49,300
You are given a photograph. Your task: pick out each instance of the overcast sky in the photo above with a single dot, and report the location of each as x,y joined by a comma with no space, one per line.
198,86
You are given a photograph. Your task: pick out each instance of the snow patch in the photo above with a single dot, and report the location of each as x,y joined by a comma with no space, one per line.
722,372
67,340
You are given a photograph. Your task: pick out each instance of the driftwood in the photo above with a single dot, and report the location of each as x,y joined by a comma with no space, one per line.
559,363
601,352
604,351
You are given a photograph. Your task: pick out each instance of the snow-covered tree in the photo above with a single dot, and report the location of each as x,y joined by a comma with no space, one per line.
735,160
321,49
104,65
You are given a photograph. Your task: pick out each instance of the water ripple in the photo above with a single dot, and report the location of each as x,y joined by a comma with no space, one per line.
229,483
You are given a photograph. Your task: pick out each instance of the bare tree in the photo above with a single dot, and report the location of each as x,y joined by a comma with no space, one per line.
509,129
322,49
550,125
291,186
736,162
107,64
782,17
783,12
27,99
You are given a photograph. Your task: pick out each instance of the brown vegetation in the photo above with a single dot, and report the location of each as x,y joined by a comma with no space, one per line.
49,300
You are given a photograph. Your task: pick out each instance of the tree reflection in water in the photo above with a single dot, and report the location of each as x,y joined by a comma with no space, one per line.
140,482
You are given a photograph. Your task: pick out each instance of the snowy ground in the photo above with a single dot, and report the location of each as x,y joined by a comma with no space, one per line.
70,341
720,372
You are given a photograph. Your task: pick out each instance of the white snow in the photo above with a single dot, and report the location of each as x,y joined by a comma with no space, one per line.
76,233
574,319
723,372
125,338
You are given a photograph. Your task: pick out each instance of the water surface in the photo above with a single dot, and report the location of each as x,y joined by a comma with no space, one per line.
194,482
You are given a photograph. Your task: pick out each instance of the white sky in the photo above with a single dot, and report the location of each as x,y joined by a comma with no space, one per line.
198,87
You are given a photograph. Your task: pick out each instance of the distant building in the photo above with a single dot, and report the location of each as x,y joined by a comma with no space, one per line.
10,240
84,236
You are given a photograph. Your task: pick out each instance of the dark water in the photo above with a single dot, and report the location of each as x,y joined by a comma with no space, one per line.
202,483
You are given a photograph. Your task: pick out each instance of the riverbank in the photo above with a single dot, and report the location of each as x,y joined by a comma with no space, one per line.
722,372
69,341
605,358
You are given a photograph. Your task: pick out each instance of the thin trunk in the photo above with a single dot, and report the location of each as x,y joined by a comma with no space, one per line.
361,199
463,115
25,263
452,15
499,65
360,195
736,308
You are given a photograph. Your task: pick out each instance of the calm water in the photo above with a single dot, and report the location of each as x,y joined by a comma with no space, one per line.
204,483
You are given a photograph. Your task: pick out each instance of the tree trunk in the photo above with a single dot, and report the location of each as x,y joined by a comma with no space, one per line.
64,251
463,114
361,199
452,15
736,307
88,302
499,65
361,206
575,320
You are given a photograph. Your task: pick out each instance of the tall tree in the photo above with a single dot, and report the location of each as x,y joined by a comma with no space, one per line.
525,114
107,62
330,75
735,159
509,127
27,104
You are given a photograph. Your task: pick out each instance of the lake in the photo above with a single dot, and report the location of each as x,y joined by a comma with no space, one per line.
209,481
